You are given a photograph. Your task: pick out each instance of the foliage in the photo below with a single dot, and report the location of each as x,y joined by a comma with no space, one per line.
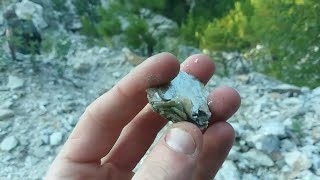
293,36
227,33
133,6
59,5
288,28
3,56
60,46
87,8
297,127
63,47
200,16
108,22
89,15
138,33
177,10
108,25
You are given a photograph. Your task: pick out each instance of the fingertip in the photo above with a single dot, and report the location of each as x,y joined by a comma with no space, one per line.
223,102
166,59
222,131
200,66
156,70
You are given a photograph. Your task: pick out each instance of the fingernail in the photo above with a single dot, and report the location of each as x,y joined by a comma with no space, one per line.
180,141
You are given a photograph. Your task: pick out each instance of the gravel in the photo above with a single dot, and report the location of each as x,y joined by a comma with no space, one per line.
8,143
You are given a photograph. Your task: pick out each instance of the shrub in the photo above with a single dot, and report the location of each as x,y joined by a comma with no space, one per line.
199,16
89,15
287,28
59,5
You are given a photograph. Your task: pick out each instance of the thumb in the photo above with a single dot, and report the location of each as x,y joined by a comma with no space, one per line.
175,155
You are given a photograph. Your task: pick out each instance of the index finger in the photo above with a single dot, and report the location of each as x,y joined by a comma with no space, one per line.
101,124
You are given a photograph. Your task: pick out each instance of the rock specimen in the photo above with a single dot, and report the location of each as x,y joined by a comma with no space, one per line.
183,99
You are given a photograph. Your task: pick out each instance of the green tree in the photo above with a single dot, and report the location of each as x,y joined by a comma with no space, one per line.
89,15
201,13
288,28
230,32
291,31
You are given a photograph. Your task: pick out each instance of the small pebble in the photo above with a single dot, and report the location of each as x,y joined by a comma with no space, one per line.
14,82
9,143
297,160
5,114
55,138
116,74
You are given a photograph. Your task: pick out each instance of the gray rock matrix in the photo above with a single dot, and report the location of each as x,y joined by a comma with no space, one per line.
277,127
183,99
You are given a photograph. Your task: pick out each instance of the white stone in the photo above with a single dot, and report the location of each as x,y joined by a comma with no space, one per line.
5,114
316,163
4,125
14,82
293,101
228,171
104,50
45,139
267,143
6,105
30,10
284,88
308,175
55,138
259,47
116,74
272,127
249,177
31,161
316,91
234,154
2,28
287,145
159,26
40,152
297,160
9,143
258,158
1,20
83,61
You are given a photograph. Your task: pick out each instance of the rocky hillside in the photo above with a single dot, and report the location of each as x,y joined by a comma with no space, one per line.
277,126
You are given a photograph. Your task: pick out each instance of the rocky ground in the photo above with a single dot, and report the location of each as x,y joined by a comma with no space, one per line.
277,126
277,130
40,106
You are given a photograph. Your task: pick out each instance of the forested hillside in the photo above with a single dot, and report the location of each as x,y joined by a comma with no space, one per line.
279,37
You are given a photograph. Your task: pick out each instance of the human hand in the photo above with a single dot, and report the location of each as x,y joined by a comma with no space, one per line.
116,130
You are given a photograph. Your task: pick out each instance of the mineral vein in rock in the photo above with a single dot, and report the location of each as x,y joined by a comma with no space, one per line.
183,99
